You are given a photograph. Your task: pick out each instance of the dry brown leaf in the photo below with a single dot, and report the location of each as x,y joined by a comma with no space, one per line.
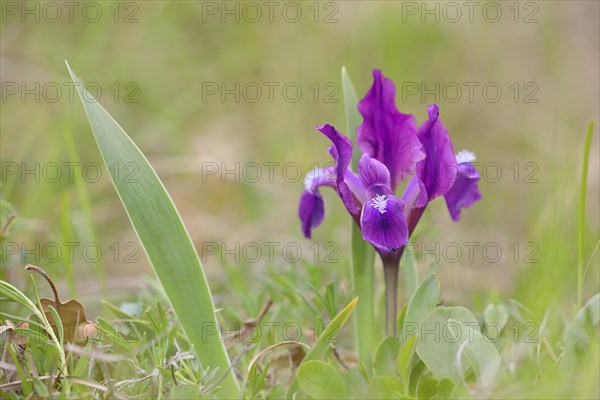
76,328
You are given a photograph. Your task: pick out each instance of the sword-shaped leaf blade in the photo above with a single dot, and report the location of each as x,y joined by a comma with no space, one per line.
164,238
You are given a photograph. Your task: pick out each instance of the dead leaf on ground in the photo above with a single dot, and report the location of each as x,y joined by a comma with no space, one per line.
76,328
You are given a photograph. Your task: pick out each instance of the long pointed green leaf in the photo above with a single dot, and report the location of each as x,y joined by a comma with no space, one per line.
164,239
363,255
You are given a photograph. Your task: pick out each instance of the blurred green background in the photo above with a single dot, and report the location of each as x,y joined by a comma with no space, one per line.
157,64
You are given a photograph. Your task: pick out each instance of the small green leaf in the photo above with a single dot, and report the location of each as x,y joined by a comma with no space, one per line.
385,356
321,381
445,387
257,379
580,332
495,314
40,387
405,358
415,375
423,301
386,387
427,388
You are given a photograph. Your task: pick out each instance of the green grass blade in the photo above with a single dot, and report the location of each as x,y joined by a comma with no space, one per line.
353,119
164,238
581,216
67,236
363,255
83,197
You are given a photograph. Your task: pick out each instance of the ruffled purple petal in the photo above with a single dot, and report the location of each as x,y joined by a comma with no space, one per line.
374,176
464,193
437,172
383,223
312,209
341,150
386,134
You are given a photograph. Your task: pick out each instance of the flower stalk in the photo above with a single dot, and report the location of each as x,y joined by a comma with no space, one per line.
391,266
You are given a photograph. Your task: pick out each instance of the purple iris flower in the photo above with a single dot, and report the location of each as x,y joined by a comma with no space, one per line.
393,148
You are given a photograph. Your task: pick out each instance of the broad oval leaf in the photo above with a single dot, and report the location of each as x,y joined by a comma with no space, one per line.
422,302
385,356
480,355
321,381
450,339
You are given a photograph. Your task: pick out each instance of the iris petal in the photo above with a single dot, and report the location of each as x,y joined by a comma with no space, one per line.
374,175
341,149
383,223
311,212
437,172
311,209
386,134
464,193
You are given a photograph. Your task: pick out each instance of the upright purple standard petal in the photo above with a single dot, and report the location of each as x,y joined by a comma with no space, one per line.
386,134
437,172
464,193
374,176
383,224
311,209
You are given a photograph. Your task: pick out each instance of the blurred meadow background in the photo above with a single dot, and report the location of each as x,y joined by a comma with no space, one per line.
163,69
